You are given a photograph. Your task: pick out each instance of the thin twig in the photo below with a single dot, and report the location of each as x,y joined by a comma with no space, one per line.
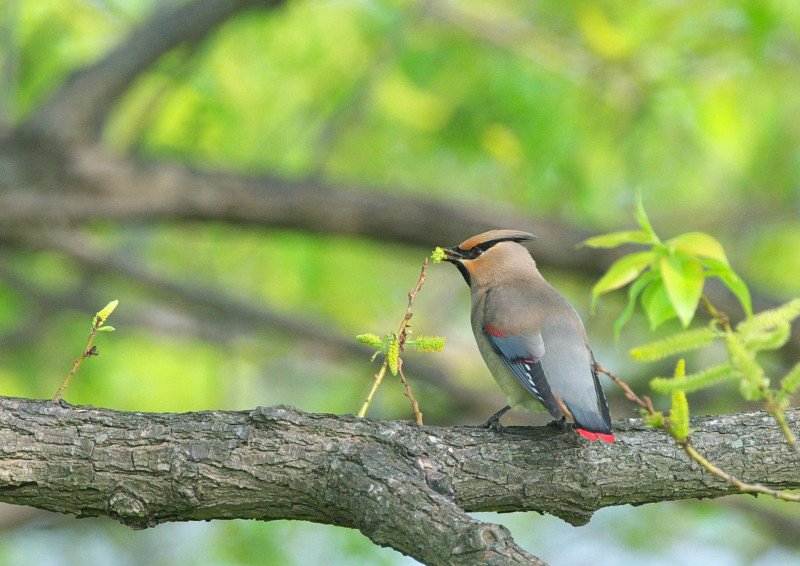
774,409
718,315
402,335
414,404
645,404
780,416
742,486
87,352
378,378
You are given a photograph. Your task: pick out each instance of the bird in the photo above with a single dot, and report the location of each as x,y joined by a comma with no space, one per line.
530,337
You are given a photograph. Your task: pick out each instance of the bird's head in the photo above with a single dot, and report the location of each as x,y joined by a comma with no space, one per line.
487,254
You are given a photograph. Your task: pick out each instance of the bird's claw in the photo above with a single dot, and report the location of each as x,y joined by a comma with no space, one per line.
560,423
493,422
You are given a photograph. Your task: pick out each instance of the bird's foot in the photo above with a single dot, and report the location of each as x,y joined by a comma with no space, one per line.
493,422
560,423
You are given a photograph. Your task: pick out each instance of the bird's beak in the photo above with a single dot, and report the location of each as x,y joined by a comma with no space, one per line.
453,255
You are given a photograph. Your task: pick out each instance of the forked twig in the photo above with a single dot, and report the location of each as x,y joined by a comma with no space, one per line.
402,336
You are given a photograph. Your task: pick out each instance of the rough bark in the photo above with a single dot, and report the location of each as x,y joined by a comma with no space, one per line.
403,486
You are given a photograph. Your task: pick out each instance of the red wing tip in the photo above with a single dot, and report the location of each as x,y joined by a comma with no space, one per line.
494,331
596,435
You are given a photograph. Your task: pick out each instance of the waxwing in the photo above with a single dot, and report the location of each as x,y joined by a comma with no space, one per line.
530,337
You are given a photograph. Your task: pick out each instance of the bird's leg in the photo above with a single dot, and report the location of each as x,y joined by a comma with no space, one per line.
560,423
493,422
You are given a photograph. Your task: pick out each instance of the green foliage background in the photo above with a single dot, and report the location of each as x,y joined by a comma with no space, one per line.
554,109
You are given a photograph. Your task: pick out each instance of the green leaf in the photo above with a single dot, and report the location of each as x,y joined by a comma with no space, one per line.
633,294
683,278
106,329
739,288
641,217
615,239
699,244
621,272
732,281
657,305
677,343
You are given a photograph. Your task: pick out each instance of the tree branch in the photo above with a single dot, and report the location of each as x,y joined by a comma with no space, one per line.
92,184
271,463
402,485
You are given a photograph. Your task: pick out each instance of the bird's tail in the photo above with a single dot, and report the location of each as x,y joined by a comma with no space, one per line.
596,435
594,422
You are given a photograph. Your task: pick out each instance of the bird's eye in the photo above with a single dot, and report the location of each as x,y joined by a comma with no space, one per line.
477,252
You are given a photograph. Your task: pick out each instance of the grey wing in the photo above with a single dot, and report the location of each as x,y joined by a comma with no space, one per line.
522,354
570,364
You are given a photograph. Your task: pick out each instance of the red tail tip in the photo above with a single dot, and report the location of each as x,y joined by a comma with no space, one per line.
596,435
